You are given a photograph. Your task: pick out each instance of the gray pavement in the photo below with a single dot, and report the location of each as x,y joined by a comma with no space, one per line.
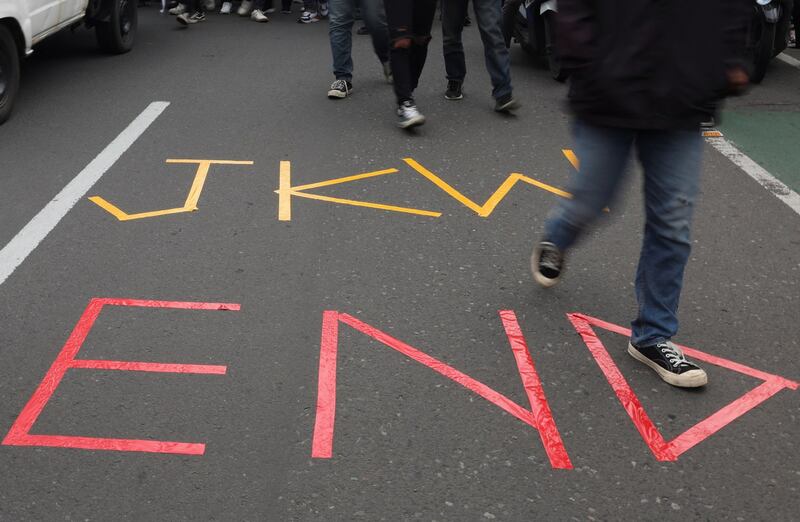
409,443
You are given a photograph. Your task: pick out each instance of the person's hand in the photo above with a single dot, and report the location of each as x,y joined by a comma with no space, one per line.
737,80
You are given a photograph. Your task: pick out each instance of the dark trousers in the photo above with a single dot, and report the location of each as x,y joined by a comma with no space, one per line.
410,23
489,15
195,6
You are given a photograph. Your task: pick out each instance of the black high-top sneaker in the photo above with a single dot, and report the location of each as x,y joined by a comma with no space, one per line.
670,364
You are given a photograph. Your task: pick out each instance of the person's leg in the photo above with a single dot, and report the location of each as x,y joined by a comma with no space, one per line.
340,31
374,15
603,153
399,18
422,23
489,15
672,165
453,13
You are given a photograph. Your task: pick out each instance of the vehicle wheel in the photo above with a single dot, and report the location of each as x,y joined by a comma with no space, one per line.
9,72
763,42
553,60
118,34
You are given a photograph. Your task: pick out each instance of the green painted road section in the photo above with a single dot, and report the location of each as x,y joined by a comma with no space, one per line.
770,138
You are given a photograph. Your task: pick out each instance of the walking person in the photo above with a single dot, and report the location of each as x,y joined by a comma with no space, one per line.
489,16
410,23
642,76
342,17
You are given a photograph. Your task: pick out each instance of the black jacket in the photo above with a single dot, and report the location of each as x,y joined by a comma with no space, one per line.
650,64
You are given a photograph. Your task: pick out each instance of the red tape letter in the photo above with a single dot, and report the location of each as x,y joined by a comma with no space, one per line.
19,435
539,417
670,451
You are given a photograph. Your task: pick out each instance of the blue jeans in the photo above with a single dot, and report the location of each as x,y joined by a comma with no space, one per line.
489,16
342,16
672,162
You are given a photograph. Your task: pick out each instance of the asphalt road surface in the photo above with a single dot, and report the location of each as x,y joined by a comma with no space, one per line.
390,316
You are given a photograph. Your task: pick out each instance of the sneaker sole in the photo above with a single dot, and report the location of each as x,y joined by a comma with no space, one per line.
690,379
454,98
182,21
336,94
413,122
543,281
508,107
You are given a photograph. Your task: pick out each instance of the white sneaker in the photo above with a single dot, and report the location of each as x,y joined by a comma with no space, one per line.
245,9
227,7
409,116
323,9
259,16
177,10
308,17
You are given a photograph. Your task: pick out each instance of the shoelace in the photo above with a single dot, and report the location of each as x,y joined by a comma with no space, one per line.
673,353
550,258
340,85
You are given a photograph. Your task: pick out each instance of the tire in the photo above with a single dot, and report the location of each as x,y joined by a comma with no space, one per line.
118,34
551,51
9,72
762,51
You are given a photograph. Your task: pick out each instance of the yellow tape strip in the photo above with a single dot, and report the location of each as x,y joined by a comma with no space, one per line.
192,198
502,191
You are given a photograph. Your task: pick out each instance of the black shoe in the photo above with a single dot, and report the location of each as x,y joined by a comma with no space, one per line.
340,89
467,21
362,30
709,123
547,263
506,103
453,91
670,364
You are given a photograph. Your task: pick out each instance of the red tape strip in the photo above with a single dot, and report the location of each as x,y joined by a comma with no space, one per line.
540,418
19,434
669,451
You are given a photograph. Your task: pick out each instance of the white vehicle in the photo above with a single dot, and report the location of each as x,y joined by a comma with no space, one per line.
25,23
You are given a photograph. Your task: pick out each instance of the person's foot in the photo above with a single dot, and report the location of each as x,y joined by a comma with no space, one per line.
245,9
409,116
506,103
323,9
308,17
708,123
387,72
190,19
340,89
453,91
670,364
547,263
270,10
178,10
467,21
226,8
362,30
259,16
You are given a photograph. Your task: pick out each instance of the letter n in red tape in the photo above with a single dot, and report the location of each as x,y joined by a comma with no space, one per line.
663,450
538,417
20,435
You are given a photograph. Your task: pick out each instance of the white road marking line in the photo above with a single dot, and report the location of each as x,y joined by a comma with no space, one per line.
791,60
757,172
19,248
